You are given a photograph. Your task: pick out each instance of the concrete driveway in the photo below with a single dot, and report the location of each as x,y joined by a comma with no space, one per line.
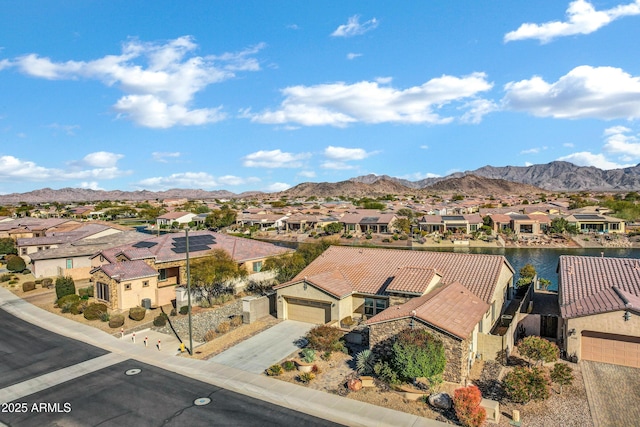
268,347
613,392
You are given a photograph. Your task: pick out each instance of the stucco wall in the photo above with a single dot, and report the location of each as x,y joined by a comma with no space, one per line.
382,336
133,297
56,267
311,293
612,323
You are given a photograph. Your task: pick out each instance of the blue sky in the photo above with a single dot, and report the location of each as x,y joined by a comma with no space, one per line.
264,95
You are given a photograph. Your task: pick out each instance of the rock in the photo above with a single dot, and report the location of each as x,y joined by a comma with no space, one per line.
354,384
440,401
116,321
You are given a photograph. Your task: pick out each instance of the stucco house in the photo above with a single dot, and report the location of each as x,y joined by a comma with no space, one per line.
167,220
600,308
367,220
457,296
596,223
151,268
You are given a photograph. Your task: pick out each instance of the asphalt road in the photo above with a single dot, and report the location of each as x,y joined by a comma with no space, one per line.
28,351
109,397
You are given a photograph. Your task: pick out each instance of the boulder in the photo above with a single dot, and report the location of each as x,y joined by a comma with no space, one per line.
354,384
440,401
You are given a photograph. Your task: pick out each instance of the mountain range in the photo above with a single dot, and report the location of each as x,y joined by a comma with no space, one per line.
554,176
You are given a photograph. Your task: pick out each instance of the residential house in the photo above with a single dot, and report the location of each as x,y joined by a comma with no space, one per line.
27,227
520,224
596,223
263,221
152,268
600,308
367,220
386,286
53,239
465,224
168,219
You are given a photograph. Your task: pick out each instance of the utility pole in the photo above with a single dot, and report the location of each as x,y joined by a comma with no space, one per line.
189,293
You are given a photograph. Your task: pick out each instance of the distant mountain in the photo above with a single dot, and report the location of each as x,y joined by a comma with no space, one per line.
68,195
349,188
478,185
554,176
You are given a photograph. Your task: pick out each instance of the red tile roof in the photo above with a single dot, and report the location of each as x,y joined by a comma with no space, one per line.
591,285
412,280
128,270
372,270
452,308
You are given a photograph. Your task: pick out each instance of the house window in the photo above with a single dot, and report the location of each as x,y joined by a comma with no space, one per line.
163,274
102,291
39,248
127,286
47,247
145,284
23,251
373,306
257,266
69,264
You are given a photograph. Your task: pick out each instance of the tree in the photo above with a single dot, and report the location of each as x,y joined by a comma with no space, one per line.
403,225
417,353
545,283
538,349
220,218
285,266
525,384
333,228
15,263
558,225
65,286
212,275
562,374
528,271
7,246
406,212
466,402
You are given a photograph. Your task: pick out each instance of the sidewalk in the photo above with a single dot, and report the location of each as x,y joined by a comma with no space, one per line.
323,405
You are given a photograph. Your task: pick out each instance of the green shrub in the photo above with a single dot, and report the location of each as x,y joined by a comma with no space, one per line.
325,338
105,317
308,355
347,322
562,374
82,292
326,355
365,362
65,286
38,281
274,370
236,321
204,303
173,312
15,263
538,349
95,311
70,307
524,384
26,271
306,377
288,365
385,372
28,286
116,321
210,335
224,327
160,320
47,283
184,309
137,313
76,307
5,277
417,353
73,298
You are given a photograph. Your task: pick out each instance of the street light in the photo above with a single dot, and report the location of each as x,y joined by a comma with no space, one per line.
189,293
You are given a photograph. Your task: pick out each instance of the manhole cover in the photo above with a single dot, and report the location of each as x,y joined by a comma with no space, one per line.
202,401
134,371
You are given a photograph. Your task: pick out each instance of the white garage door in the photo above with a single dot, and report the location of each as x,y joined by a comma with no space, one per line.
308,311
609,348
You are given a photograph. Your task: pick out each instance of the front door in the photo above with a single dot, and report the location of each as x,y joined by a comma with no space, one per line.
549,326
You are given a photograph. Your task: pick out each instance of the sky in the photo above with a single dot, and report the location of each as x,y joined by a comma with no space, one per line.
264,95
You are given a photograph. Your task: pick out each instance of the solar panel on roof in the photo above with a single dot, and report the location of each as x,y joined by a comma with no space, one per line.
589,217
370,219
453,217
140,245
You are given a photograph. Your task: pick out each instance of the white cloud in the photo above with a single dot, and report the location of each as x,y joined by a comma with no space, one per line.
586,158
339,104
307,174
274,159
68,129
528,164
353,27
178,180
159,80
278,186
346,154
92,185
616,129
476,110
418,176
619,143
236,180
352,55
100,165
336,165
162,157
530,151
424,147
568,144
582,18
585,92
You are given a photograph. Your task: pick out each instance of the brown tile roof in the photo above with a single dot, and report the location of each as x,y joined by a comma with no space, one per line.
412,280
452,308
371,270
128,270
591,285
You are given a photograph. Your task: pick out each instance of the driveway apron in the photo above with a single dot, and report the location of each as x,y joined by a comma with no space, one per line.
268,347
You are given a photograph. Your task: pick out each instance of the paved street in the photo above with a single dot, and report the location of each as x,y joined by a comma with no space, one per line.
268,347
613,392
